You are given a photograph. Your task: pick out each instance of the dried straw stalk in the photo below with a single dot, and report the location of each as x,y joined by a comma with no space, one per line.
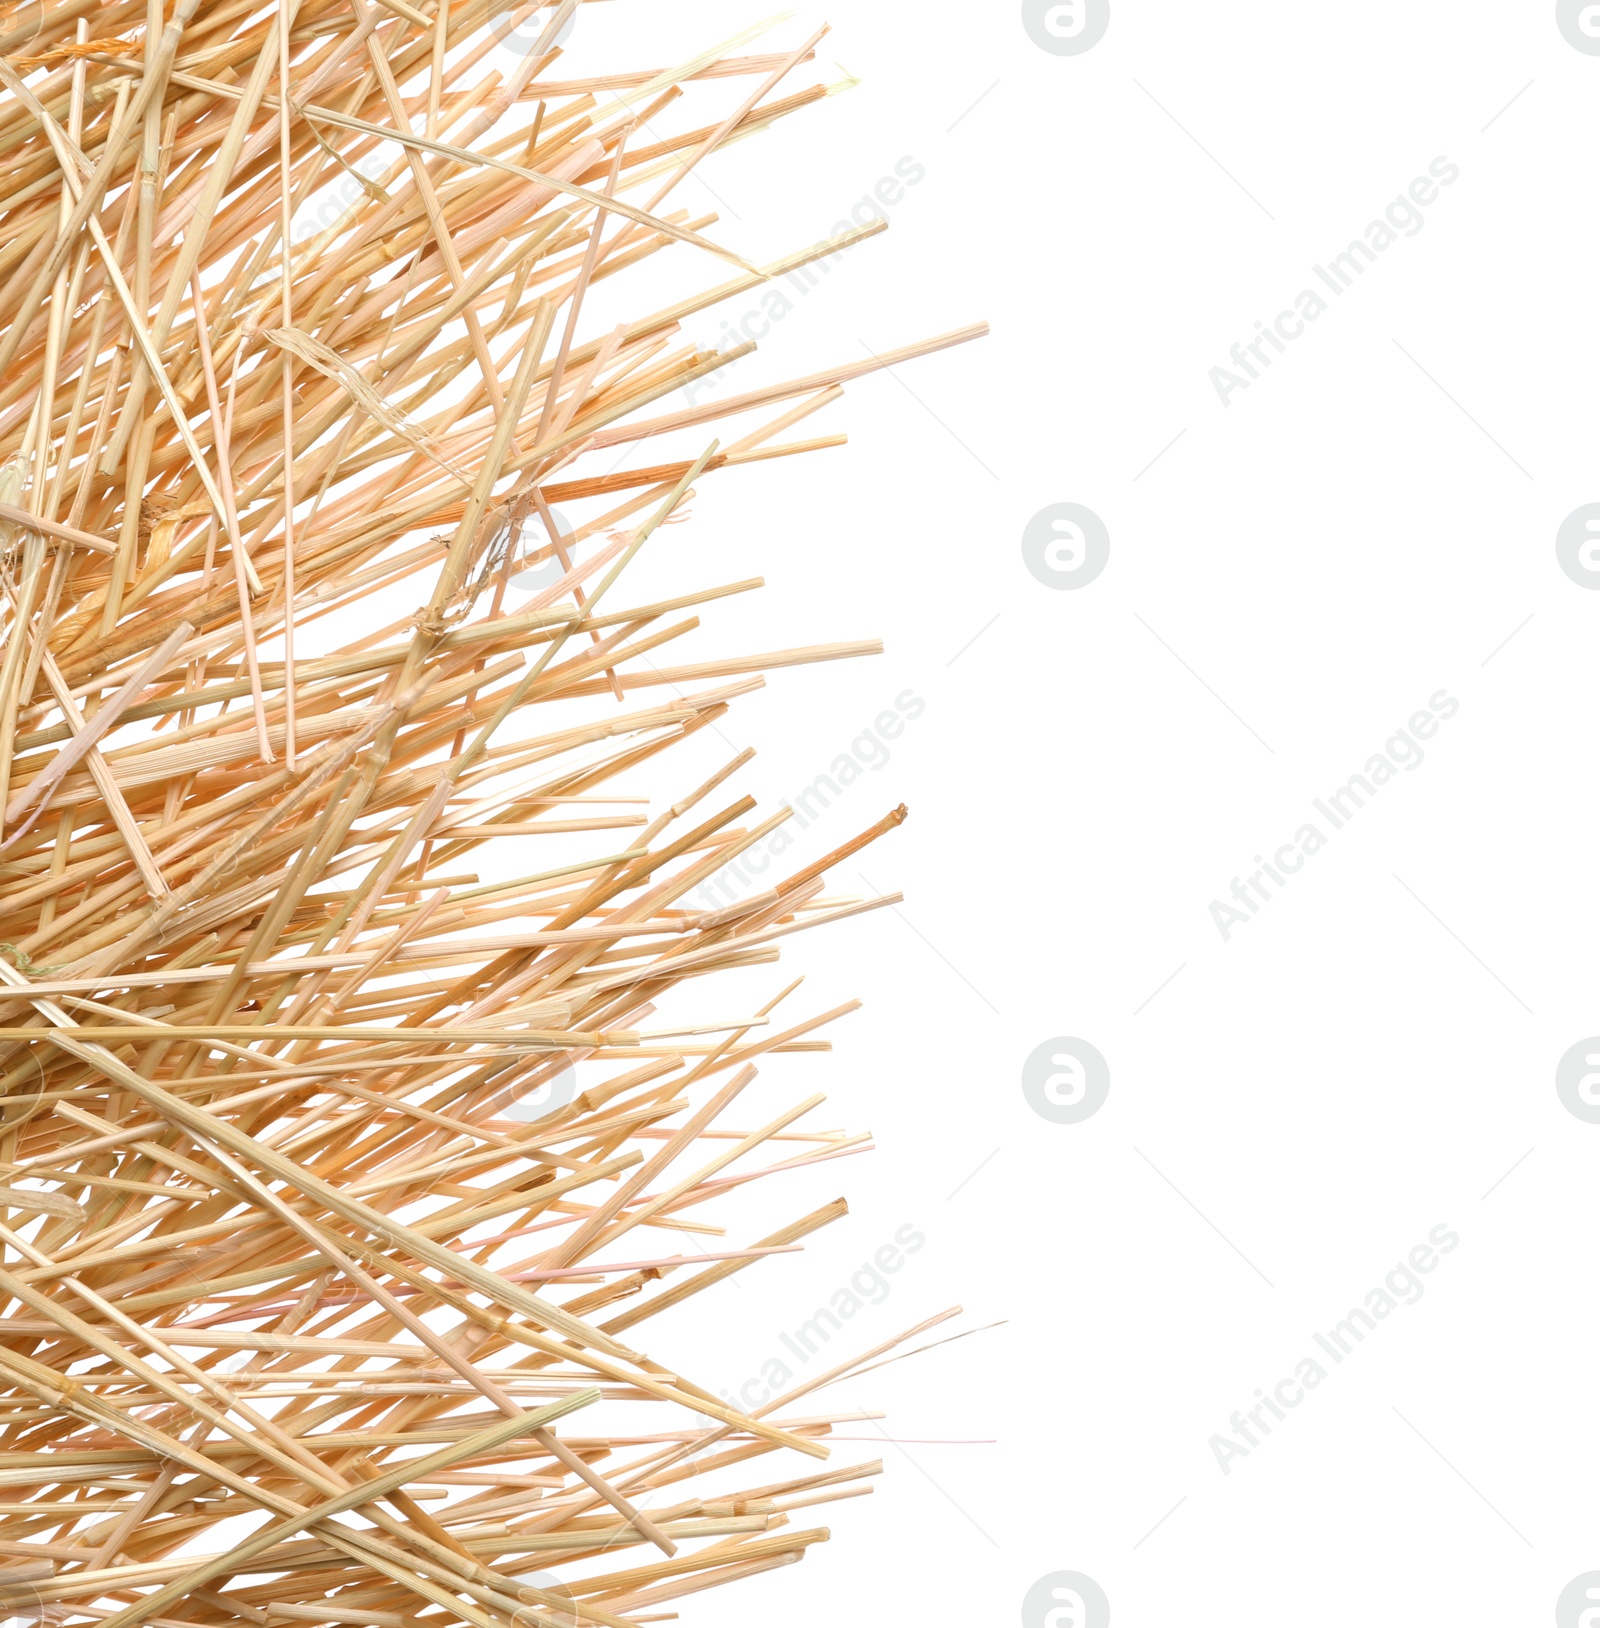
281,1262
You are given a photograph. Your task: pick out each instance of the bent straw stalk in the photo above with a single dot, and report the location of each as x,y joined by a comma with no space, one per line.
309,1316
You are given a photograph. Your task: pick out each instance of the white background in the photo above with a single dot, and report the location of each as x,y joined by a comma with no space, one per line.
1289,581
